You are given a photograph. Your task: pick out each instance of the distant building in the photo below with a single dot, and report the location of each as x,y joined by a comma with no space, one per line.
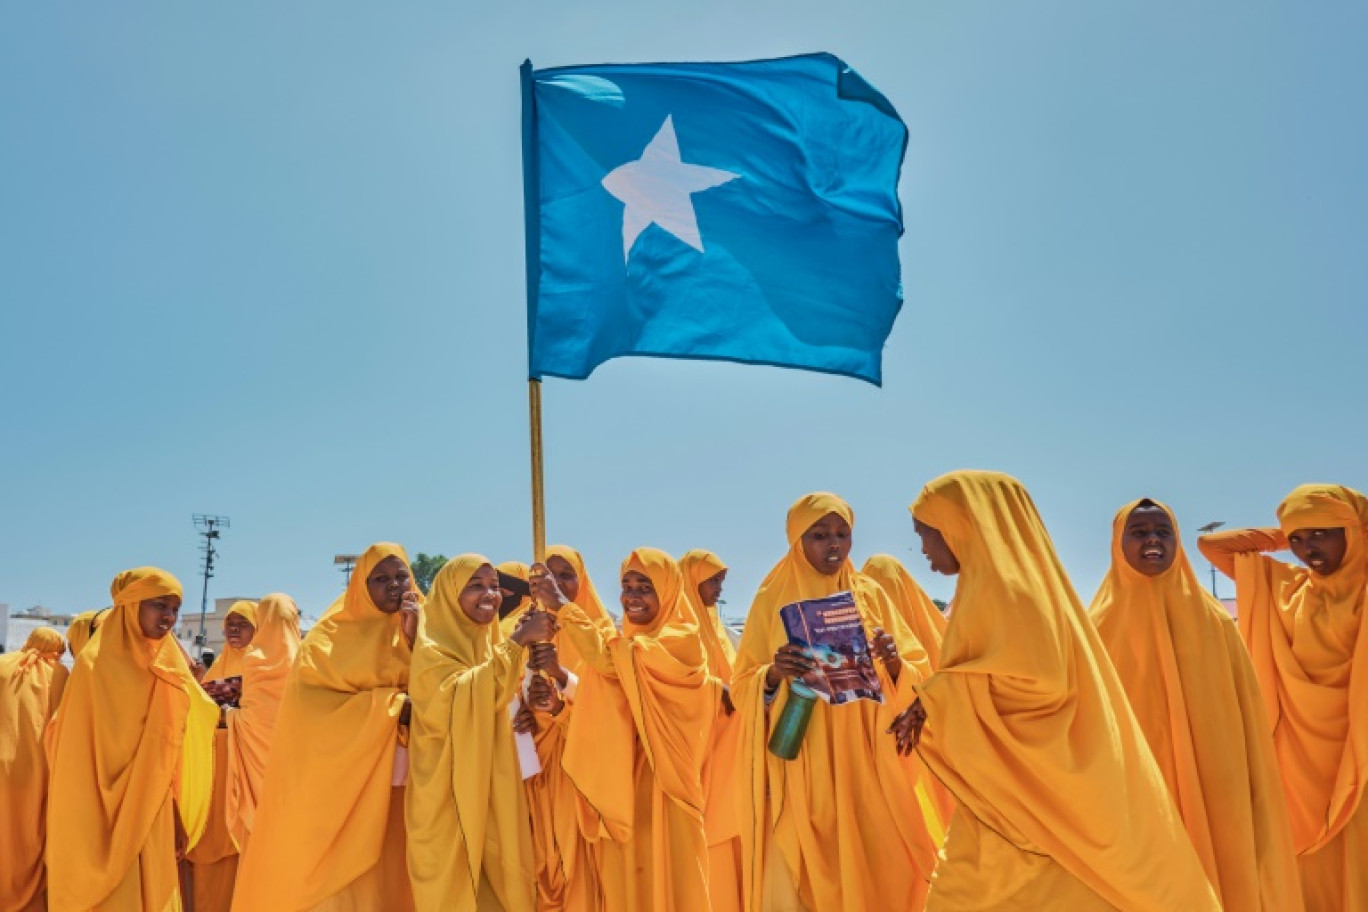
15,627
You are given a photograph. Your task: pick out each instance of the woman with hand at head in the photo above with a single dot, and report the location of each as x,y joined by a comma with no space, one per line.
31,684
469,841
132,756
1060,803
1304,629
329,829
842,825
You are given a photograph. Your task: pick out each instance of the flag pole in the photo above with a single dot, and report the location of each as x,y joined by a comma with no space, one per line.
538,499
532,239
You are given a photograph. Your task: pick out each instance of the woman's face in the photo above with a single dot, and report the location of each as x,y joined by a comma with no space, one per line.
156,616
710,590
1149,542
238,631
565,575
937,552
1320,549
387,584
480,599
640,604
827,543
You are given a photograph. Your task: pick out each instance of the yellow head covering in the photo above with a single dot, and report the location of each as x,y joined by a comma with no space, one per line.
43,645
266,665
134,727
913,604
698,566
82,628
322,817
515,568
465,807
1026,721
228,663
1192,686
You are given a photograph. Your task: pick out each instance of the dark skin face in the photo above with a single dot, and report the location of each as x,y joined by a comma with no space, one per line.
710,590
565,575
238,631
827,543
934,547
481,597
1320,549
156,616
640,604
387,584
1149,542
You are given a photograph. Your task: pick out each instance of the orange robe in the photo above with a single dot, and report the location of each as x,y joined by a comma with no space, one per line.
1310,651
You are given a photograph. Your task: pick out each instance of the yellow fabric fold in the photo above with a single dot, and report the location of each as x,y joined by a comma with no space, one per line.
133,743
1029,727
1192,687
466,813
840,826
82,628
321,824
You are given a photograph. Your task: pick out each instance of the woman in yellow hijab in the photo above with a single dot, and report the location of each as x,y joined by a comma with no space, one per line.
1061,805
31,683
704,576
329,832
842,825
469,842
914,606
266,665
1192,686
1304,629
215,860
638,734
132,757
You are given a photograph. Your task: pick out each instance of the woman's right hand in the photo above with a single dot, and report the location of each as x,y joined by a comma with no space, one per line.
534,627
790,661
525,721
544,588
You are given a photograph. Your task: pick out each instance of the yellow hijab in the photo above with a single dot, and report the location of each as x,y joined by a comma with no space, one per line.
465,807
31,683
82,628
1027,723
322,817
1305,634
915,607
134,726
698,566
266,665
1193,689
228,663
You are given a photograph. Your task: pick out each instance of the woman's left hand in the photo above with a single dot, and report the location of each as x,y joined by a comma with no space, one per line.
887,651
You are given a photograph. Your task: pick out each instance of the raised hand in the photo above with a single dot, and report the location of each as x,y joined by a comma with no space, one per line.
408,616
535,626
544,588
887,651
543,697
907,727
790,661
543,657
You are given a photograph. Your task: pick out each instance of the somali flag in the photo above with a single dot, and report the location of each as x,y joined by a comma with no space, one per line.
725,211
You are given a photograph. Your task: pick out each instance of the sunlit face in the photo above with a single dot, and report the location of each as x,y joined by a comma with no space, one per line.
1149,542
640,604
565,575
157,616
387,584
238,631
936,550
827,543
480,599
710,590
1320,549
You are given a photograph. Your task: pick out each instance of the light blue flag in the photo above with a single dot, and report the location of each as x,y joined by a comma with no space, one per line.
726,211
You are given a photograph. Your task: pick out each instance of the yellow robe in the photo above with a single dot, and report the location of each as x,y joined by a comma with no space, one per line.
1310,652
720,772
842,826
329,829
132,746
1061,805
1193,689
636,742
31,683
469,840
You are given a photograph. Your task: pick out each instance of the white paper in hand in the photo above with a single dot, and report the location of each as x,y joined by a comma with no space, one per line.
528,761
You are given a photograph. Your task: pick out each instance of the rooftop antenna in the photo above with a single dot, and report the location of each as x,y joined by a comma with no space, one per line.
345,563
1207,530
211,528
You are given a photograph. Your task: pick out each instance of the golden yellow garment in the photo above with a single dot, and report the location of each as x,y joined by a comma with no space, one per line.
1060,801
720,774
31,684
840,826
322,826
913,605
82,628
1305,635
266,665
132,746
466,812
1193,689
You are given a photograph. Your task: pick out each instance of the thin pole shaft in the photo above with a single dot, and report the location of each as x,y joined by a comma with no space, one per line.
538,500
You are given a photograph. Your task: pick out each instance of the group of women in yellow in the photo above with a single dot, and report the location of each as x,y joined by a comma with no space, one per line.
454,751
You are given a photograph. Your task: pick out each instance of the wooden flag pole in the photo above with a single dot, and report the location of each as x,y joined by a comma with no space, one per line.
538,499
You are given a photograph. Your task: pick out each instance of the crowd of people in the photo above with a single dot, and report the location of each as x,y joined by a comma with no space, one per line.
497,746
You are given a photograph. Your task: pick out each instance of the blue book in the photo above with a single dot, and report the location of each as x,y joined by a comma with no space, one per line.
831,630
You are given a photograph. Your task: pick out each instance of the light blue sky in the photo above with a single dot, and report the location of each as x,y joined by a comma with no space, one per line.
266,260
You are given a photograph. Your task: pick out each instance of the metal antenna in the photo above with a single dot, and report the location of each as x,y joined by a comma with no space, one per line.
1208,529
345,563
210,530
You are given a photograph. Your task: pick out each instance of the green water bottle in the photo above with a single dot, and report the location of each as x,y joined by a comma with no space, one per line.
787,738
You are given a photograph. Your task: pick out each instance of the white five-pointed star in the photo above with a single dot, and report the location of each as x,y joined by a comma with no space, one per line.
656,188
